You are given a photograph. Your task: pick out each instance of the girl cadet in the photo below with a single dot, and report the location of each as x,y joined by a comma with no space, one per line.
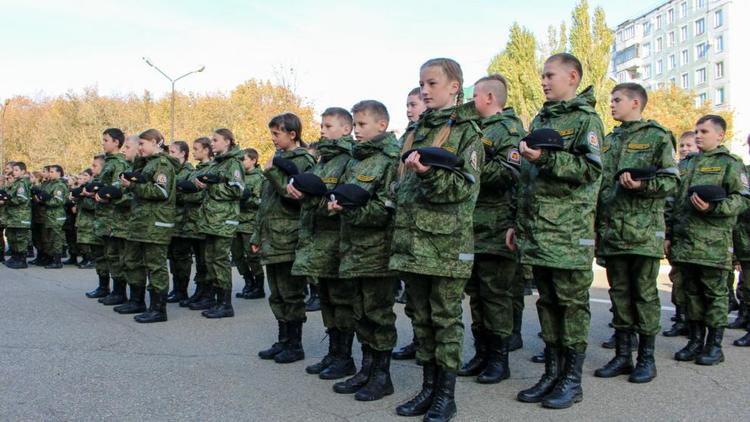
180,248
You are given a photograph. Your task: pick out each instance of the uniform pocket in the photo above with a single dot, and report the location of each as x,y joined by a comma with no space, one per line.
436,222
283,234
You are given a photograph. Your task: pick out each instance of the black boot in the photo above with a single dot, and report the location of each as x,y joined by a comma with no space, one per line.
538,358
136,304
259,288
711,353
568,389
87,264
379,382
102,290
55,263
422,401
175,296
610,343
743,341
680,326
497,368
72,260
197,295
622,363
206,301
552,363
247,288
353,384
740,323
276,348
293,350
645,368
313,302
473,367
696,338
342,364
117,296
157,312
333,346
515,341
18,262
40,260
407,352
443,407
223,308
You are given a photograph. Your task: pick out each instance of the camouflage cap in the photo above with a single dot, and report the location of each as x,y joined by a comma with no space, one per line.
186,186
93,187
435,157
110,192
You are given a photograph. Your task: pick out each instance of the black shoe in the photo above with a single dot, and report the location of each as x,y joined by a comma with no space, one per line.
197,295
179,291
568,388
475,366
622,363
117,296
443,407
422,401
552,362
206,301
645,368
696,338
157,312
55,263
741,322
539,358
72,260
743,341
259,288
102,290
136,304
276,348
333,349
379,382
223,308
407,352
712,353
30,252
496,368
313,302
609,344
353,384
679,328
17,262
293,350
87,264
342,364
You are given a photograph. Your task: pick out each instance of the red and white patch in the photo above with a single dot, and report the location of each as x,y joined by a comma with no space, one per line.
514,156
161,179
237,175
743,177
593,140
21,190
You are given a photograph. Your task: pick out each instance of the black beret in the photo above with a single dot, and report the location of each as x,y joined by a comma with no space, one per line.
545,138
310,184
211,179
110,192
35,190
286,165
134,176
710,193
435,157
187,186
4,195
643,173
349,195
93,187
76,192
44,196
246,194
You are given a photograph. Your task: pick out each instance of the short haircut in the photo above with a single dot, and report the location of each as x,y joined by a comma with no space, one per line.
339,113
252,153
569,60
497,84
58,168
687,134
100,157
20,164
183,147
415,91
88,171
633,90
715,119
115,134
375,108
288,122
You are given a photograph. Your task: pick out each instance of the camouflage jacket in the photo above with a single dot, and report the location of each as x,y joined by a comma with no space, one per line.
220,210
191,204
153,203
495,211
54,205
705,238
558,192
632,221
37,209
366,232
18,206
316,254
85,218
106,221
741,234
183,173
434,214
277,227
249,206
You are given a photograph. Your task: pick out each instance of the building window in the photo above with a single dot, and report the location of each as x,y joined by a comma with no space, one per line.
659,22
701,99
701,50
700,26
718,18
684,57
719,96
719,70
670,16
719,43
700,4
659,67
659,44
683,9
627,33
700,76
646,71
672,63
685,81
646,28
670,39
683,33
646,49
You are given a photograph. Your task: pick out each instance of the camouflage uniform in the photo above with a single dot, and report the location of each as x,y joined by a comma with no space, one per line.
18,217
741,237
433,241
37,219
180,252
633,230
248,263
91,244
111,228
191,202
678,291
54,217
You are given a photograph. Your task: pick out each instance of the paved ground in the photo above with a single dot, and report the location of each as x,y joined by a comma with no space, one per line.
65,357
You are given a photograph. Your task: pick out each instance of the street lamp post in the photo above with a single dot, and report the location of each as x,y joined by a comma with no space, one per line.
172,81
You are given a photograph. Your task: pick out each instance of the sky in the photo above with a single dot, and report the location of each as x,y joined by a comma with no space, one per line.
334,53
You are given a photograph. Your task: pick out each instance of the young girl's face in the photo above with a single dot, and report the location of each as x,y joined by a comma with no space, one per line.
199,152
96,167
437,90
147,148
84,178
219,143
176,152
248,163
414,107
130,149
282,139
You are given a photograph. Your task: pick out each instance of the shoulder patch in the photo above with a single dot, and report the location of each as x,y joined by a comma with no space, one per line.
161,179
710,169
21,190
332,180
363,178
566,132
593,139
487,142
514,156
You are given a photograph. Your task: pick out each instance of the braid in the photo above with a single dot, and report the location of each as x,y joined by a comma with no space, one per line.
408,142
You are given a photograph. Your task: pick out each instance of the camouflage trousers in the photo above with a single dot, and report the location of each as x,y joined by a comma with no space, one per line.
248,263
36,236
53,240
706,292
437,321
563,306
373,312
96,253
71,241
336,307
490,291
287,297
218,266
632,289
114,257
678,289
180,253
18,240
146,261
743,287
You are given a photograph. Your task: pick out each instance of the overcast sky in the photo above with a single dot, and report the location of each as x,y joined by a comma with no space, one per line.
341,52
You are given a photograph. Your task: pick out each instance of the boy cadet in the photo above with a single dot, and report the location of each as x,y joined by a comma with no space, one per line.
714,191
18,216
742,254
687,147
52,199
639,172
249,266
555,225
490,287
38,218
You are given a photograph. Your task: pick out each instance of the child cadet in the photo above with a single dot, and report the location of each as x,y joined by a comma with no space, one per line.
52,199
248,262
18,216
